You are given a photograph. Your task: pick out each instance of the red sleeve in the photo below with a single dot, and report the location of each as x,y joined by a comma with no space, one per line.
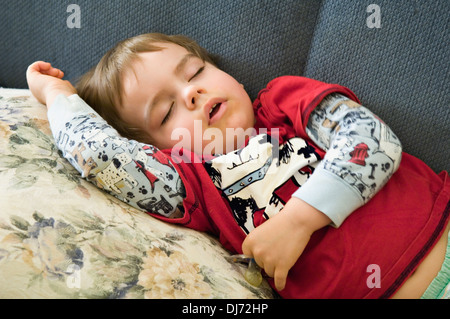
287,102
205,209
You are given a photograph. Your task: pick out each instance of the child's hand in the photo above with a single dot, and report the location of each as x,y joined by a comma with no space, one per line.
45,82
278,243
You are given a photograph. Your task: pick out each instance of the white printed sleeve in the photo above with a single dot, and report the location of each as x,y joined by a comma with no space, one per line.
362,153
138,174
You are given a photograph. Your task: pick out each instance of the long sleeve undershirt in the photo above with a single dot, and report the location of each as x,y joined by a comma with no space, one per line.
362,154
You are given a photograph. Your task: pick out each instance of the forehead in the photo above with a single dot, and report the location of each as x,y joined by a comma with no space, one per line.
150,66
168,56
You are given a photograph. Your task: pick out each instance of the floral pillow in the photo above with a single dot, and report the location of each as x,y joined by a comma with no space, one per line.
61,237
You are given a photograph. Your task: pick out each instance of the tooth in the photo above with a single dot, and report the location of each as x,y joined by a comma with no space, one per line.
213,108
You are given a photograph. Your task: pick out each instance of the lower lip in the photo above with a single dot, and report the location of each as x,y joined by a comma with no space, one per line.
219,114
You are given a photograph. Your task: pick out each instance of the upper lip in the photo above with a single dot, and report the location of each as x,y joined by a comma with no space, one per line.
210,104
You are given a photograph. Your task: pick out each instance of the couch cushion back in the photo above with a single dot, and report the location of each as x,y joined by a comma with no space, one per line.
400,70
256,40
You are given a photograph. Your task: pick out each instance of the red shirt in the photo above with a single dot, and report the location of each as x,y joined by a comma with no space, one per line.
394,231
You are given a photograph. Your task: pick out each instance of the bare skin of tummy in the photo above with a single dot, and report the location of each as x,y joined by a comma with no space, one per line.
418,282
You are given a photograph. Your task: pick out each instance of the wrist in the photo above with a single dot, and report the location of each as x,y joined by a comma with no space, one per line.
52,92
305,215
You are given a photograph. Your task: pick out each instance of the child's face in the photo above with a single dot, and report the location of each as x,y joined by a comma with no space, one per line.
179,100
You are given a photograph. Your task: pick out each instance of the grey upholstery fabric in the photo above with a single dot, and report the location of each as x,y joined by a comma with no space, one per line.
256,40
400,71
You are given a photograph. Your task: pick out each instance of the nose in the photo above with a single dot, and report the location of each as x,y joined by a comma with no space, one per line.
191,96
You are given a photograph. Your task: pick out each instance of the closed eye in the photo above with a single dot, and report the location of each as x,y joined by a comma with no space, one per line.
197,73
167,117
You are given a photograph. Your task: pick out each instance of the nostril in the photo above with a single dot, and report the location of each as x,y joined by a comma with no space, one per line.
193,101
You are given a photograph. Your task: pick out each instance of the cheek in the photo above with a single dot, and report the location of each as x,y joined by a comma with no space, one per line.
242,116
222,81
183,134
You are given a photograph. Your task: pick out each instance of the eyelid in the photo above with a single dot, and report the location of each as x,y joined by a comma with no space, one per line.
200,70
167,116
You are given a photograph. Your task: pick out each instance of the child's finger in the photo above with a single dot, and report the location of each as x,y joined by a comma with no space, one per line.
55,72
280,278
38,67
52,72
41,66
46,68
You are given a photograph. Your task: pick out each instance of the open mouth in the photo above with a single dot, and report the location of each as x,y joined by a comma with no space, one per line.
214,110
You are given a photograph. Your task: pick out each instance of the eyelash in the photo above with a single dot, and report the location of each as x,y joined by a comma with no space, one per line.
166,118
197,73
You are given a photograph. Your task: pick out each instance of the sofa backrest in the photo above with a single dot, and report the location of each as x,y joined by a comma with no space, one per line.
257,40
399,70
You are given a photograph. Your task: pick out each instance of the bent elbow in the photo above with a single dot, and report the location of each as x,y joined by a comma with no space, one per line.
390,144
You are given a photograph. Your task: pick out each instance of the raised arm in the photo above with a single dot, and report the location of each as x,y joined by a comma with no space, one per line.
136,173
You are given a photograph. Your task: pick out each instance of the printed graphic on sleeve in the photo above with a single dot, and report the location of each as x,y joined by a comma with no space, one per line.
361,149
136,173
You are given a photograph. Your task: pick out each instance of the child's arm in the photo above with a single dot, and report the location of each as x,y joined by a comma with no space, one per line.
362,154
45,82
135,173
278,243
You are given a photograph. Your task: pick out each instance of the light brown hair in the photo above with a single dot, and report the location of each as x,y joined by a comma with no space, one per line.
102,87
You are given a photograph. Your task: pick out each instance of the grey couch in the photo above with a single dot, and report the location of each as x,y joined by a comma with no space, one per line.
69,239
393,55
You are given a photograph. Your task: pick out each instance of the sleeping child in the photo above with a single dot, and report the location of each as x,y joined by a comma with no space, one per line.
304,179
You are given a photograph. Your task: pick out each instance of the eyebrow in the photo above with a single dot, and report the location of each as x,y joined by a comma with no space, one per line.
182,64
